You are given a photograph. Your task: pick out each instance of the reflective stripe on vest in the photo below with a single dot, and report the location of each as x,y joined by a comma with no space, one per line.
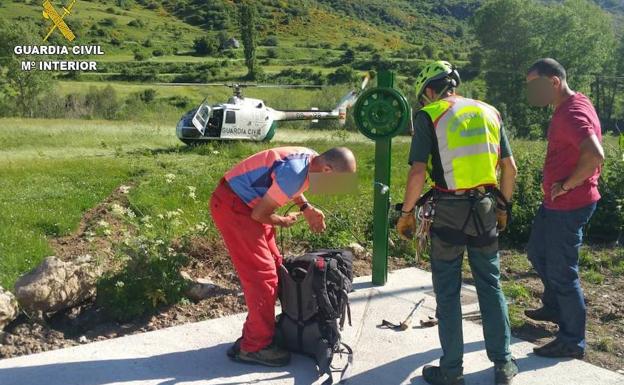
468,133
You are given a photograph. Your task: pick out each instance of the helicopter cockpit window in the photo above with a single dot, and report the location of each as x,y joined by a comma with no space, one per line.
201,117
230,117
214,124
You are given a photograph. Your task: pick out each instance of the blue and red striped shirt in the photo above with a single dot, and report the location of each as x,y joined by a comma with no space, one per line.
281,172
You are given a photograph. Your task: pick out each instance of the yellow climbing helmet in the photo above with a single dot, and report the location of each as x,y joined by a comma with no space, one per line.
435,71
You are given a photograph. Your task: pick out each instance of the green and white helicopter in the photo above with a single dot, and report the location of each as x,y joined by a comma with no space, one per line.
248,119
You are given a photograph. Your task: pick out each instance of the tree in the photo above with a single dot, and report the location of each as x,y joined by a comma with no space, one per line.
515,33
429,51
348,56
21,88
343,74
205,46
247,20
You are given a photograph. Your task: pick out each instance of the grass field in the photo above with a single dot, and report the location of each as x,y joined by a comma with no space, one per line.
51,172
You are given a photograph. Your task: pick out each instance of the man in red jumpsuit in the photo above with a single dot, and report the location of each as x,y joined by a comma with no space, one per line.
243,208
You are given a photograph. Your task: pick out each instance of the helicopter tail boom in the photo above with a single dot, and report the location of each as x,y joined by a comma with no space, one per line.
305,115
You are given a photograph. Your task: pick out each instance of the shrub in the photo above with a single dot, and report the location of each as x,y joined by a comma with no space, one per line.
205,46
109,21
139,56
270,41
150,276
137,23
607,223
147,95
272,53
343,74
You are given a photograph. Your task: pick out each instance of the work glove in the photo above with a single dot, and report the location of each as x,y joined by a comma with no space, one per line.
503,214
502,220
406,226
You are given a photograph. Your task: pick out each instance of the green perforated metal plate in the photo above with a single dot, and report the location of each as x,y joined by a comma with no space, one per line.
381,112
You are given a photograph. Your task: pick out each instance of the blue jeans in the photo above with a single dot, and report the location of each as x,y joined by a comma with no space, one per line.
553,249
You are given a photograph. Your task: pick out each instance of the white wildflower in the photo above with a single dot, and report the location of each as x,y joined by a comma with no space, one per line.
107,232
117,209
120,284
192,190
146,219
169,178
131,214
124,189
174,214
160,216
159,242
201,227
103,223
215,152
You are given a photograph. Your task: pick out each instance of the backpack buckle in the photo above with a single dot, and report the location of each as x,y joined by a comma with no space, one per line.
320,263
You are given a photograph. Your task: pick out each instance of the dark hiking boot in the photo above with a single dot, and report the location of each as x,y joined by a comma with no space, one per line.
269,356
434,376
504,373
542,314
559,349
234,349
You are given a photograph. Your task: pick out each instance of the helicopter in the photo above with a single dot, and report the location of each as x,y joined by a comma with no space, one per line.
248,119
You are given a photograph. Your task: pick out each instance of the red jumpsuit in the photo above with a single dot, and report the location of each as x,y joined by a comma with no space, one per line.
256,258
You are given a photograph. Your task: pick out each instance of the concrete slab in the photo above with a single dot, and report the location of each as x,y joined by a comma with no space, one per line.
195,353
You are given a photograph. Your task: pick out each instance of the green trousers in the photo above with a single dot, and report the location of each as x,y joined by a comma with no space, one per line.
447,253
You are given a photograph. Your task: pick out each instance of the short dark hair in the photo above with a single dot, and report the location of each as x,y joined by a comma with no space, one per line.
441,85
548,67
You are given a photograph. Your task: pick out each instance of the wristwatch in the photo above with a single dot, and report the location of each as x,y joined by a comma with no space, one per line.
304,206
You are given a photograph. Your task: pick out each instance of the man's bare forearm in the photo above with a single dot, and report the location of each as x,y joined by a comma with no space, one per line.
509,172
415,185
592,157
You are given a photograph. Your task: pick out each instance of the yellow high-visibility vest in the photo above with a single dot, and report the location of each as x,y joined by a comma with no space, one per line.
469,135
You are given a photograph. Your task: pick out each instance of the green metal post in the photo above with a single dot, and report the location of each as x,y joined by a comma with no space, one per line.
381,207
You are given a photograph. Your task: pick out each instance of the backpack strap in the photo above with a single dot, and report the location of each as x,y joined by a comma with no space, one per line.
344,372
345,311
320,287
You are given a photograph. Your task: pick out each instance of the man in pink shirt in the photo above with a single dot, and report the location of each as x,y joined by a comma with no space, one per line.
573,161
243,208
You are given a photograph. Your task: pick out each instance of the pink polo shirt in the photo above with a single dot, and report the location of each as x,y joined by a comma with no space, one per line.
573,121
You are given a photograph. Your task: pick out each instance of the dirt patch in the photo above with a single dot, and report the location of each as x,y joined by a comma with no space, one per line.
605,311
87,323
89,237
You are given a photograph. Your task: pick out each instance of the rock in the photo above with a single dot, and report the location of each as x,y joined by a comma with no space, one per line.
83,339
56,285
359,251
199,288
8,308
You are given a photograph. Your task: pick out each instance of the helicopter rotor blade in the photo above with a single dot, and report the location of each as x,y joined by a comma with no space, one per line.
288,86
192,84
365,81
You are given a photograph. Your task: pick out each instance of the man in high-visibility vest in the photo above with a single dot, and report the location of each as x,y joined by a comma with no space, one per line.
461,143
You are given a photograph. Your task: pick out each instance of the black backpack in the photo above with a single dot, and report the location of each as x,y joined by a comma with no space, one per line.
313,292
